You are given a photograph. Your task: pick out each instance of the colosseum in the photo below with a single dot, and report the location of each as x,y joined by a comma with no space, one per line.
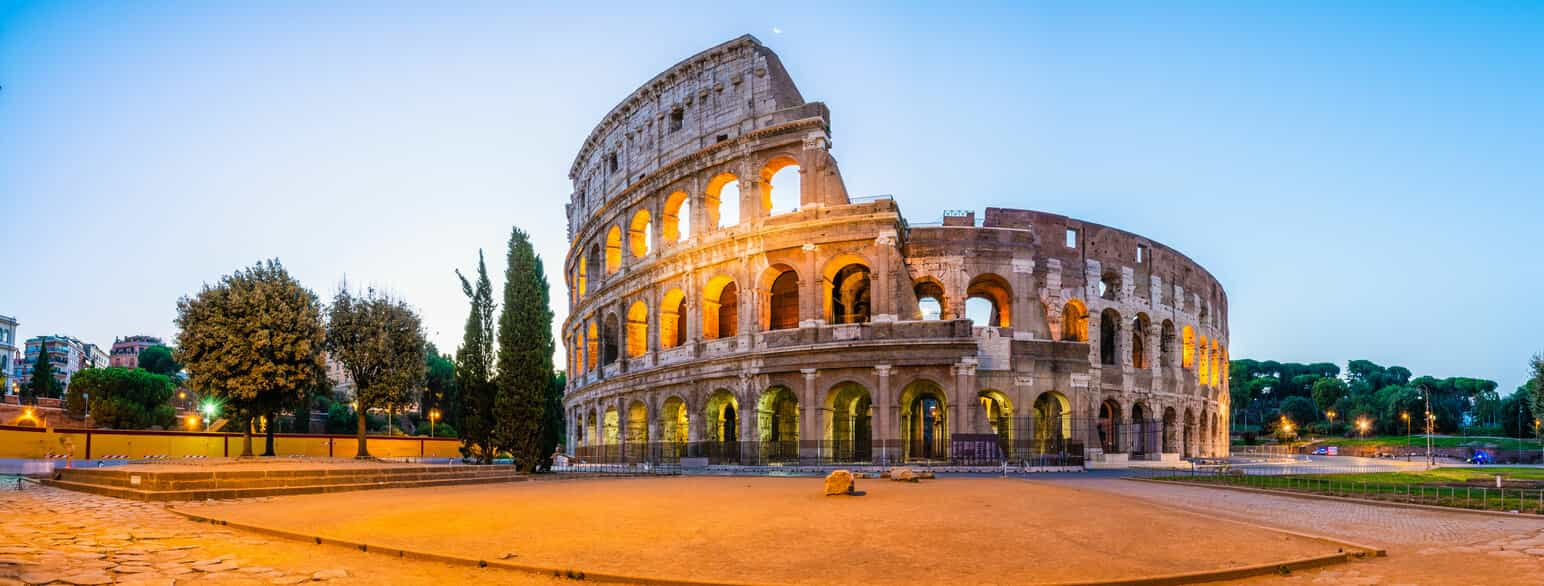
730,302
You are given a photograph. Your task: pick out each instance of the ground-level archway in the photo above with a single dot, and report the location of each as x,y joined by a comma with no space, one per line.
924,422
1053,426
777,422
674,428
1109,426
721,438
997,412
851,430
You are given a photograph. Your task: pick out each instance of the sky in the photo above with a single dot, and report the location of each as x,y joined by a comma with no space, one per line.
1366,180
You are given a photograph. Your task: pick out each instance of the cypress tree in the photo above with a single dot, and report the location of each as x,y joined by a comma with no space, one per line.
524,377
42,383
474,369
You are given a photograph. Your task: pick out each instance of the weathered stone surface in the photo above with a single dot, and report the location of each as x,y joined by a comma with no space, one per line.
839,482
829,287
903,474
330,574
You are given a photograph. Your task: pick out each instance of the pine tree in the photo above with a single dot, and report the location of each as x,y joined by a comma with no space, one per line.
524,356
42,383
474,368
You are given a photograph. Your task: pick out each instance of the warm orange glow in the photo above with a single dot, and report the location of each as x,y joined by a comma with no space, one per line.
614,250
638,234
192,421
1188,341
637,329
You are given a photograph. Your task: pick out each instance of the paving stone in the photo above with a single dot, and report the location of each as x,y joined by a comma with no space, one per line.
331,574
88,579
290,580
220,567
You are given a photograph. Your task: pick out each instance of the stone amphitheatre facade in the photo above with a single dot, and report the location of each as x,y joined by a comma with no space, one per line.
729,301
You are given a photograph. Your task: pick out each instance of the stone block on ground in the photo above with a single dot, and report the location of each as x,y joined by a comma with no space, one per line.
903,474
839,482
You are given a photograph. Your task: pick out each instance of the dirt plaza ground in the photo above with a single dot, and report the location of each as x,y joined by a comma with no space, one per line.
784,530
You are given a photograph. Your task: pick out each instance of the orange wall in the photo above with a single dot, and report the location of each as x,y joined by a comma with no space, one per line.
22,442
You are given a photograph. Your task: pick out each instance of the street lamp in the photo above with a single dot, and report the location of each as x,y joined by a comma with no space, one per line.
209,410
434,416
1405,415
1331,414
1361,425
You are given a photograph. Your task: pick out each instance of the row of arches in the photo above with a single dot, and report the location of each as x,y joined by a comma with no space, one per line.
846,428
1212,361
1146,433
779,182
847,298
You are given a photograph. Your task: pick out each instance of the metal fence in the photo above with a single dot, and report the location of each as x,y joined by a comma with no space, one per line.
1346,482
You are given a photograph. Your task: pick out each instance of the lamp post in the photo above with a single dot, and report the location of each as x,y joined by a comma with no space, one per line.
1331,414
1405,415
434,416
1362,425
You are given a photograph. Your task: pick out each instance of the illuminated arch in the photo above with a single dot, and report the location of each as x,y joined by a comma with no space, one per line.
1203,370
924,421
1053,422
722,412
674,421
930,298
638,233
995,290
1188,347
780,289
1074,322
720,308
722,209
672,319
637,329
998,411
847,282
592,344
613,249
676,221
780,185
851,430
777,423
1216,353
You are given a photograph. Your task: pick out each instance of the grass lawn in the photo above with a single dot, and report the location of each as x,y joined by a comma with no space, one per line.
1440,441
1450,487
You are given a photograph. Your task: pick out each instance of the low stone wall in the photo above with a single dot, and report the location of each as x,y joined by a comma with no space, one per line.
87,444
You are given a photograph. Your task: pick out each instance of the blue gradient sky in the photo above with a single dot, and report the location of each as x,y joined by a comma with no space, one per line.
1364,179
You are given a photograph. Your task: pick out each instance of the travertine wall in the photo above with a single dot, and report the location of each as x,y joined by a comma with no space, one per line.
818,305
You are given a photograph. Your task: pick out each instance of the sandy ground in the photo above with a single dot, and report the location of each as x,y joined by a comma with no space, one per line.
1424,547
784,530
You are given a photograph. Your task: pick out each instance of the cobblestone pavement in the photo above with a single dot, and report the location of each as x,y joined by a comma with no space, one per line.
54,536
1424,547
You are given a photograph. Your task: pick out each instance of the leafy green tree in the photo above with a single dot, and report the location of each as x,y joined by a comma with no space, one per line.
254,340
553,432
380,342
123,398
1328,390
525,347
75,401
159,360
1300,410
1517,413
474,369
42,383
1536,384
440,391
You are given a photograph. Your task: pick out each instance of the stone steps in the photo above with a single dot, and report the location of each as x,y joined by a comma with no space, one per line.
176,486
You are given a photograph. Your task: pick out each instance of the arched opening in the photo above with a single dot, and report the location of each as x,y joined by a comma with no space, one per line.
1053,426
847,298
722,414
592,346
676,221
930,299
1109,426
582,281
1141,422
637,329
591,422
672,319
637,423
924,422
593,260
1216,363
1109,328
1109,285
1074,322
1188,350
638,233
1203,368
674,428
994,290
612,426
1139,327
722,201
851,430
998,413
782,293
1166,345
1168,430
613,250
778,423
1188,449
608,339
780,188
720,308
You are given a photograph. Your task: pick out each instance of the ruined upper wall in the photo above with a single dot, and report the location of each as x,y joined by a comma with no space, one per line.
714,96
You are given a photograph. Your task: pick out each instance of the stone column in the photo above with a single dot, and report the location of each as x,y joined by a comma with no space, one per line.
964,394
811,304
882,294
884,416
812,417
